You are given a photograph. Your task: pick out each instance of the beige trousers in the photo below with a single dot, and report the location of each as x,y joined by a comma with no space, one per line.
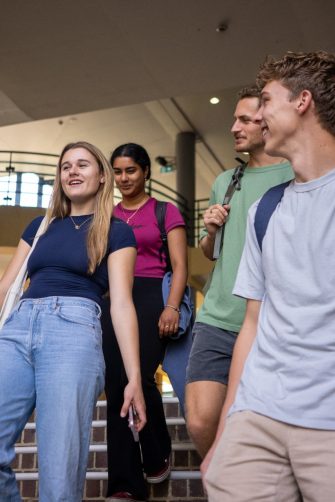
262,460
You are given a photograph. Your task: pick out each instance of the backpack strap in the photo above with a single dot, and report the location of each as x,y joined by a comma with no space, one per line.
266,207
160,212
235,184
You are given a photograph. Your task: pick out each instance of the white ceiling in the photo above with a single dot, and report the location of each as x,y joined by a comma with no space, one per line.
149,65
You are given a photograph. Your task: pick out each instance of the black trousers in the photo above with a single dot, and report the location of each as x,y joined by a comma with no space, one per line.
125,467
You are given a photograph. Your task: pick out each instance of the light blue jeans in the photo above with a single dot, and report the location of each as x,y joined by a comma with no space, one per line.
50,359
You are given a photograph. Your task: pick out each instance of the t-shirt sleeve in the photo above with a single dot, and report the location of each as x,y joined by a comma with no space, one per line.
121,236
30,231
173,217
250,277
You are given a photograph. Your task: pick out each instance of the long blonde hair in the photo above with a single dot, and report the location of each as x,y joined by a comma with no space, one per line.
60,205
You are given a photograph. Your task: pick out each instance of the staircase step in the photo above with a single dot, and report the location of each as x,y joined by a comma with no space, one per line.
184,484
103,423
186,446
23,476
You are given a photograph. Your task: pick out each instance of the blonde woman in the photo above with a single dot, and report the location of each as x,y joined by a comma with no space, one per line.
50,346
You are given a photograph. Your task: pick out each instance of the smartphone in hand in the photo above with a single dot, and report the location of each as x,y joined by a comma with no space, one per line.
132,422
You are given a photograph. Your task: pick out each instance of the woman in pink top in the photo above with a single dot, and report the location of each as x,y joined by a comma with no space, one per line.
126,460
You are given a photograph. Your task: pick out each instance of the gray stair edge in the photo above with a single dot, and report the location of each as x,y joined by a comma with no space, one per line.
166,400
103,423
102,475
176,446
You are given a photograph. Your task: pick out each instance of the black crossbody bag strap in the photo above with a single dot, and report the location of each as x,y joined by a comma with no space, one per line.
235,184
160,212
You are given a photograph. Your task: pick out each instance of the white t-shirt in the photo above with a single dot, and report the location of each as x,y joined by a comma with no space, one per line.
289,374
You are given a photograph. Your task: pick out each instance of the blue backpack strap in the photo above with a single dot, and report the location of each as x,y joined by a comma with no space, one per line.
266,206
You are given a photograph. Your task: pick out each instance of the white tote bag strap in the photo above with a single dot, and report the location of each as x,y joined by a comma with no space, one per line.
22,275
16,289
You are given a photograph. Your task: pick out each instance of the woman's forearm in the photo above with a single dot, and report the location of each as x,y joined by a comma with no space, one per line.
126,330
178,284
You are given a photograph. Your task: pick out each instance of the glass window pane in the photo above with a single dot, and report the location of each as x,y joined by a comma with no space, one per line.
7,190
46,194
29,189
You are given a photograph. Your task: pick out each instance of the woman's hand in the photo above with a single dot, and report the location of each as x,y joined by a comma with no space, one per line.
168,322
133,395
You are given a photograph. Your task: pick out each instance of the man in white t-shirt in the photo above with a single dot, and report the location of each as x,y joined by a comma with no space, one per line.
276,438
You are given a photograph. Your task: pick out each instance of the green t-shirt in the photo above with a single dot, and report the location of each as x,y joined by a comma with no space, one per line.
220,307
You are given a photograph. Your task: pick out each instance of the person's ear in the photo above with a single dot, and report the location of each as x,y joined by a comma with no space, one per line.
304,101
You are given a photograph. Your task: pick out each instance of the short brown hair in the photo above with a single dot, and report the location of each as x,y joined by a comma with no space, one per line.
312,71
249,92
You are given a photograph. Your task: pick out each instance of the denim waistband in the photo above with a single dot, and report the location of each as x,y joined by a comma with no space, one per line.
54,302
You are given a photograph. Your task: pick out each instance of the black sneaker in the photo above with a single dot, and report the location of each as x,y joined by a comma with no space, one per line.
123,496
162,475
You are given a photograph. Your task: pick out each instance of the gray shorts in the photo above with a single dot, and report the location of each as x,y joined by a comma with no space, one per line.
211,354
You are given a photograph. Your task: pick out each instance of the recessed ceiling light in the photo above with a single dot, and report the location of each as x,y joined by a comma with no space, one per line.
214,100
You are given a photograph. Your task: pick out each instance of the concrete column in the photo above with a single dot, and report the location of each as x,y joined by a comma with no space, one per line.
185,177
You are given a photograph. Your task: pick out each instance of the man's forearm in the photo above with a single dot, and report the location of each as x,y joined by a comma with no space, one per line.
207,246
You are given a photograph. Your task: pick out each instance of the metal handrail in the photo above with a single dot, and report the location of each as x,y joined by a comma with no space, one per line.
22,152
23,162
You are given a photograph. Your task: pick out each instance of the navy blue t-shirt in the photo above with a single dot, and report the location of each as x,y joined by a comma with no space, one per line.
58,264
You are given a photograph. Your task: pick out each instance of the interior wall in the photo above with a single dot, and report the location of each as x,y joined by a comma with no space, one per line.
13,220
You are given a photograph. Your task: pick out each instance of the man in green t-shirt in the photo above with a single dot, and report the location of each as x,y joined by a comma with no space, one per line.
221,315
